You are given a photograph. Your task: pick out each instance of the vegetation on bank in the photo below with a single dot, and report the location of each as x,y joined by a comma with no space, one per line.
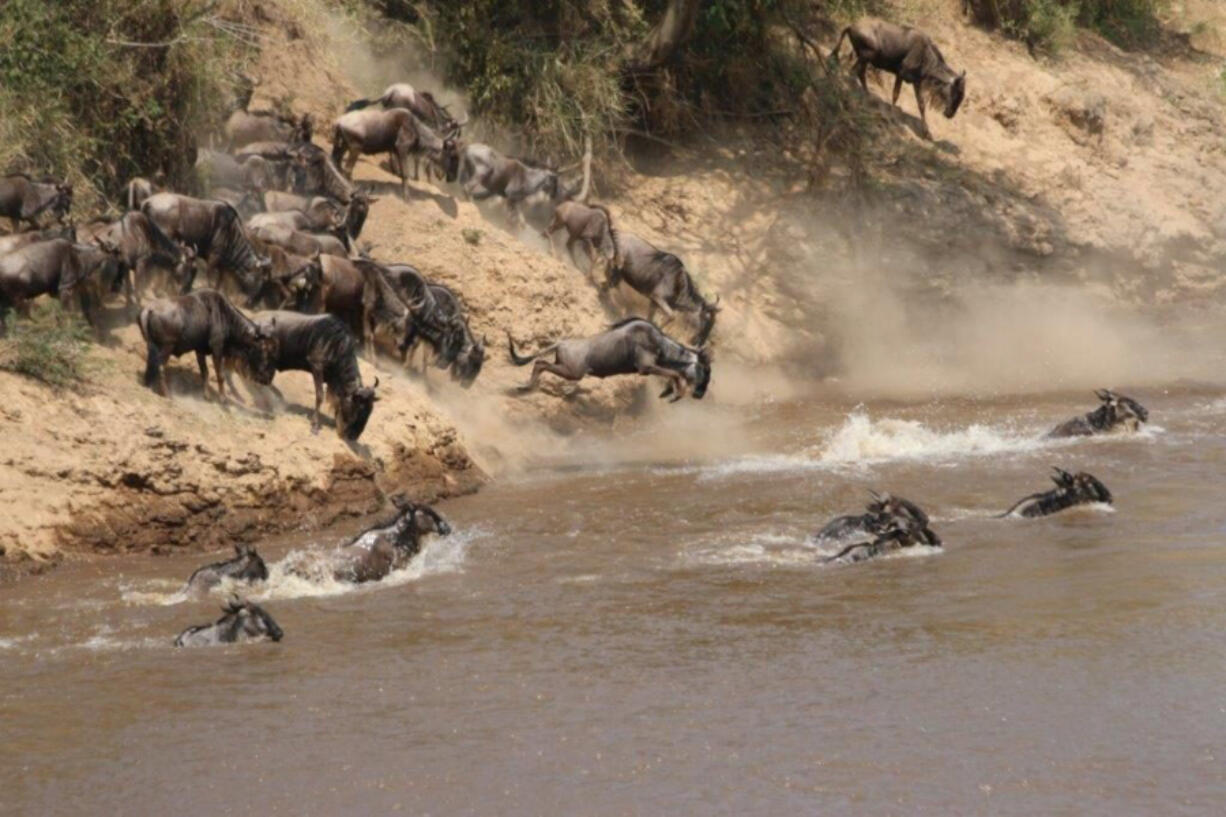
1050,25
98,91
53,346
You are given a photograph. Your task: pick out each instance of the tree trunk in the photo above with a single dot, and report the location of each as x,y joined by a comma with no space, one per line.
671,32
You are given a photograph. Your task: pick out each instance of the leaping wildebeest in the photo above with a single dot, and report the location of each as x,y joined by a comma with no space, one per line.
911,56
396,132
630,346
58,268
1117,413
324,346
664,280
484,172
241,621
214,230
590,225
422,103
1071,489
206,323
24,199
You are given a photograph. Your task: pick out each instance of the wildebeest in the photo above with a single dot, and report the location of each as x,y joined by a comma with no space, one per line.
324,213
140,188
889,523
664,280
206,323
396,132
1117,413
246,202
422,103
470,356
142,246
245,566
324,346
485,172
590,225
1071,489
16,241
316,174
911,56
294,280
427,319
215,169
241,621
245,127
268,229
388,545
215,231
24,199
630,346
59,268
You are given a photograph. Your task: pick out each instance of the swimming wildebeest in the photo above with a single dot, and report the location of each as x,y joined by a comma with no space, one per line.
206,323
245,566
24,199
1071,489
664,280
589,225
889,523
630,346
484,172
388,545
911,56
59,268
215,231
323,346
241,621
1117,413
422,103
396,132
245,127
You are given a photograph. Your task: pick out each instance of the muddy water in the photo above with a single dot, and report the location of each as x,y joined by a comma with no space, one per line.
657,638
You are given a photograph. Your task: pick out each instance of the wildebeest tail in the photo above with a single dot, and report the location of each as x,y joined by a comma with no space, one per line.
524,361
359,104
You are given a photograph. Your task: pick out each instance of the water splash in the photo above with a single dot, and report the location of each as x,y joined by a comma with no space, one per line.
862,440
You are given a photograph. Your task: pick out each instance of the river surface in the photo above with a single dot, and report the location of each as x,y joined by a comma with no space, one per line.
651,634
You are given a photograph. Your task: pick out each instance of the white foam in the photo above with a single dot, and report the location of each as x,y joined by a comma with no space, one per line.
862,440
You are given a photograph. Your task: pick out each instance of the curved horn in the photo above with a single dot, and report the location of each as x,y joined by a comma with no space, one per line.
376,383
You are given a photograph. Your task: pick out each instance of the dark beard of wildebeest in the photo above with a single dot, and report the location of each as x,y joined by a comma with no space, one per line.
889,523
484,172
241,621
911,56
245,127
1070,490
389,545
24,199
588,224
1116,413
59,268
142,246
245,566
428,320
214,230
662,279
206,323
630,346
396,132
422,103
323,346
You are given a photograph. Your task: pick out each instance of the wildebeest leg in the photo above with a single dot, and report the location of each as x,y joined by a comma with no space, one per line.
202,360
554,224
861,69
657,301
570,250
676,381
319,399
919,101
897,88
541,366
163,359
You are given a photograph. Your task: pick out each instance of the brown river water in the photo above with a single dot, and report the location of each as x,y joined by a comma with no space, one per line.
634,629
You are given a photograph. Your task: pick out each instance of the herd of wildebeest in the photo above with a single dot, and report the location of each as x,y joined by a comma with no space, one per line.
277,225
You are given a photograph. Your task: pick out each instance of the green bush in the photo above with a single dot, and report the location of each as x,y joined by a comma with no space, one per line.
101,90
52,346
1049,24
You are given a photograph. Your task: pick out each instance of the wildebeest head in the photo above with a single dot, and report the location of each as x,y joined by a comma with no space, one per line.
469,361
250,564
261,354
706,321
246,621
353,411
304,282
1122,410
1090,489
955,92
63,201
449,159
702,373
